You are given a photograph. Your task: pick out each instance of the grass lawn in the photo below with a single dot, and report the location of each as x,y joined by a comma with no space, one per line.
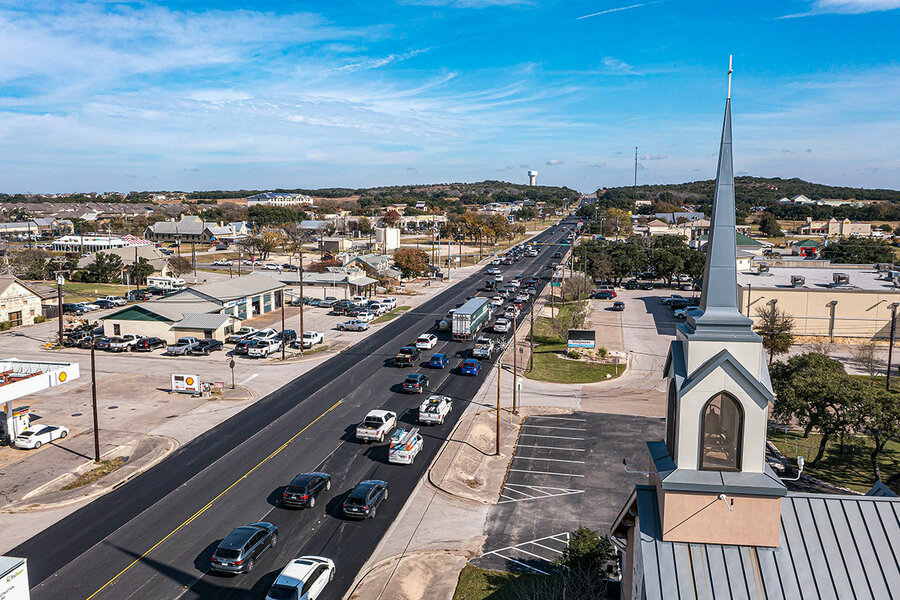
480,584
388,316
852,469
85,292
550,367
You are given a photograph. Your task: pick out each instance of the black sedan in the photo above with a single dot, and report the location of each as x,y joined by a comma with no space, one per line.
149,344
206,346
365,498
241,548
304,488
416,383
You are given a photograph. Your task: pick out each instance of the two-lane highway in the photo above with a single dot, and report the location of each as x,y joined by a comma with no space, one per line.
154,536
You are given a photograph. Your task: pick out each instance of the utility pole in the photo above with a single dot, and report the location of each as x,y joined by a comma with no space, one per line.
283,339
94,400
60,280
499,367
300,277
515,410
893,306
635,165
240,261
194,260
531,335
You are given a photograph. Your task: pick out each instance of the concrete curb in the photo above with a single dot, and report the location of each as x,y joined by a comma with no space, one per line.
109,483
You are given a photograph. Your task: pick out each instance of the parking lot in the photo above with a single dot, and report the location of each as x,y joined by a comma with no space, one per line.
566,472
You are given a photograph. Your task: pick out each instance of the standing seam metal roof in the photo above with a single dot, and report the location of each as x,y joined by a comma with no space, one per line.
837,546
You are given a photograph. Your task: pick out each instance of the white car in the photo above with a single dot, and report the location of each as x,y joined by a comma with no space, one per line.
426,341
515,283
501,325
523,297
222,262
497,301
311,338
90,306
435,409
390,302
303,578
38,435
359,300
690,311
354,325
273,267
511,312
265,334
493,271
498,277
365,317
376,307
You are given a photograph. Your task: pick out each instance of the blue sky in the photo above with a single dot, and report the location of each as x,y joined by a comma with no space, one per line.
104,95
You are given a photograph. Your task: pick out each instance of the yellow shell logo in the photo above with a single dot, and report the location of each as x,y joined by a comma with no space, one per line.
189,381
62,376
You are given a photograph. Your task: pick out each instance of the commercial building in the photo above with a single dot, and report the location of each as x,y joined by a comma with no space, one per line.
335,245
282,199
341,285
131,254
716,521
388,238
20,303
836,301
95,242
835,228
189,229
242,297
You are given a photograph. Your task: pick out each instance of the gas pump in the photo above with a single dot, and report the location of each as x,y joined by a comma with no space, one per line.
13,421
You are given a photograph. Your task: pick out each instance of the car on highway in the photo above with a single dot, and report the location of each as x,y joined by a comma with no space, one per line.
426,341
497,301
124,343
501,325
303,578
405,445
511,312
484,347
353,325
523,297
493,271
376,426
434,409
618,305
365,499
604,295
498,277
37,435
148,344
240,334
222,262
311,338
470,366
438,361
415,383
241,548
406,356
208,346
303,489
182,346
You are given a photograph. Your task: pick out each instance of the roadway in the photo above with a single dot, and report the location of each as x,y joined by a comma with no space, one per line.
153,537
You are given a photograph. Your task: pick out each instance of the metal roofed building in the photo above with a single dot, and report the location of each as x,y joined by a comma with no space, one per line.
278,199
716,521
243,297
341,285
832,547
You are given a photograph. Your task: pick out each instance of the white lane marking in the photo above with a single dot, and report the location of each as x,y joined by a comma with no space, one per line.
544,473
555,437
554,550
511,500
536,570
552,448
517,549
541,539
249,379
560,418
548,427
579,462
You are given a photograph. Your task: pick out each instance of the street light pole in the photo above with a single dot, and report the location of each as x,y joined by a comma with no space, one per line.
283,338
300,277
531,341
94,400
499,361
59,303
515,410
893,306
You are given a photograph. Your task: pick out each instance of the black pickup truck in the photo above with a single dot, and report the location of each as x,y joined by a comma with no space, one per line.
406,356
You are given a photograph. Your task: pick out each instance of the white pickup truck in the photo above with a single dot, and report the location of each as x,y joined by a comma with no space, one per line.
376,426
263,348
124,343
484,347
405,445
435,409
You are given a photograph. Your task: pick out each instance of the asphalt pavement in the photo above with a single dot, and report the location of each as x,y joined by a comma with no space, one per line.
153,537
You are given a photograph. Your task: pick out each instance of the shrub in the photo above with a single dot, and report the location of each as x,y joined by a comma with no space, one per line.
40,319
4,325
574,353
602,352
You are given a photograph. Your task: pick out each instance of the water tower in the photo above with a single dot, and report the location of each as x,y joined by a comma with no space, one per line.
532,177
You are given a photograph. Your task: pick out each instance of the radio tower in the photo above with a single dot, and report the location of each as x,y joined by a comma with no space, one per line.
635,166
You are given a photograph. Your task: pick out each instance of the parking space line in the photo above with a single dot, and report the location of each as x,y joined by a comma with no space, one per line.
580,462
552,448
544,473
548,537
555,437
549,427
554,550
560,418
531,553
536,570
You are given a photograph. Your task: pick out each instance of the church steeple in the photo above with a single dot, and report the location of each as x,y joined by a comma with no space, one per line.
721,317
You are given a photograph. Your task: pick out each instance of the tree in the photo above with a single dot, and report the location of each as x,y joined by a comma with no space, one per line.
616,222
364,225
411,261
775,328
867,355
105,268
816,392
576,287
30,263
667,264
858,251
266,241
391,217
179,265
571,318
879,416
139,271
769,226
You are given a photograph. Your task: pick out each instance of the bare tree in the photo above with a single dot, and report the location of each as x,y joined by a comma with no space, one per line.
568,319
820,346
775,328
868,357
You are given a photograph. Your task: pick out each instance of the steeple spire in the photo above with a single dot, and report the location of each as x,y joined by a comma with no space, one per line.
721,316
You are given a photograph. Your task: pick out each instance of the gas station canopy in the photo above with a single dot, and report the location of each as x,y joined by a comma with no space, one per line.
19,378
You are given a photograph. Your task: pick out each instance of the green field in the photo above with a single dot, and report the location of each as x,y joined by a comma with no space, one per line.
87,292
480,584
389,316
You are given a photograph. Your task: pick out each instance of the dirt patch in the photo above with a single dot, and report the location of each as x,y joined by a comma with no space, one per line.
104,468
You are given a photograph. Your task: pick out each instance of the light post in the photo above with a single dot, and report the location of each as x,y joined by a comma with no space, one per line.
515,410
893,307
300,280
531,335
94,399
60,280
499,361
283,337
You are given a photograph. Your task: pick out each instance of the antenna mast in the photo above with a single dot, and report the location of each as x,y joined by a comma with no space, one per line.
635,166
730,71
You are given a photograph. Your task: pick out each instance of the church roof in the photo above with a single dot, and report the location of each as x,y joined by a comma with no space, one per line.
830,547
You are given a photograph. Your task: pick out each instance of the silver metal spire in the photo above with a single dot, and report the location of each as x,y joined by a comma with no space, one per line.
721,315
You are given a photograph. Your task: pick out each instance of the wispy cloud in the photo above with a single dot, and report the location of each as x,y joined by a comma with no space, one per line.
375,63
654,157
613,10
554,162
845,7
616,65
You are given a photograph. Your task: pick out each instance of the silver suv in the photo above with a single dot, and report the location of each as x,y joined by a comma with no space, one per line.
238,552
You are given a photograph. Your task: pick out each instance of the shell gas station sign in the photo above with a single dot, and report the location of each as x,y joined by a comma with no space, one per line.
187,384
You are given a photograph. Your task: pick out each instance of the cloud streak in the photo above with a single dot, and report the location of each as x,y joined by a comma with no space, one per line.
614,10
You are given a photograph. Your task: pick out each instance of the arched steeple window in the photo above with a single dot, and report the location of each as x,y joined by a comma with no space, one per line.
721,434
671,416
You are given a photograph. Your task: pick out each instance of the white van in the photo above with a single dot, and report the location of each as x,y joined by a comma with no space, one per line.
390,302
166,283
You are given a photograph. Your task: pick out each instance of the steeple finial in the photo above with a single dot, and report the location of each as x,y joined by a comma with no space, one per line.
719,298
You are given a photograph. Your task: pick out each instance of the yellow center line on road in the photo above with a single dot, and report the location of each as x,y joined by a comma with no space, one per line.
211,502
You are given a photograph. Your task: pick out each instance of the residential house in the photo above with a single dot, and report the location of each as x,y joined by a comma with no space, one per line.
49,298
20,302
376,265
50,226
189,229
95,242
